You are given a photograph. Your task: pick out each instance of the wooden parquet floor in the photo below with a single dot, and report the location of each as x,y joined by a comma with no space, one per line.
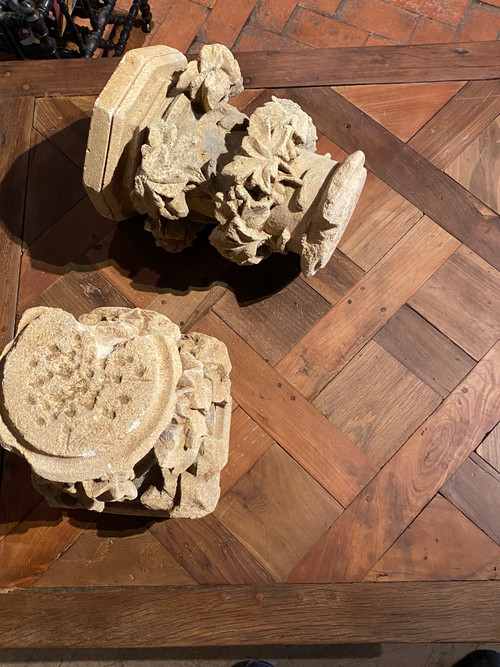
361,498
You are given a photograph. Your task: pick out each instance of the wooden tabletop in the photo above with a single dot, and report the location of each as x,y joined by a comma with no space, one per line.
361,498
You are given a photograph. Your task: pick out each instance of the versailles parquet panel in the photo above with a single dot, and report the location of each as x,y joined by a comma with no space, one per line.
363,481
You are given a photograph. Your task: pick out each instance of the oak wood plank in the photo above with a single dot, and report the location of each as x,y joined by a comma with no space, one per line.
397,163
336,278
401,108
373,64
64,242
274,324
129,259
319,67
388,504
247,443
462,299
316,444
458,123
209,552
440,545
35,543
478,167
15,137
17,494
382,216
84,102
65,125
483,464
336,338
115,551
277,510
476,493
185,309
425,351
81,290
54,187
251,615
376,402
489,449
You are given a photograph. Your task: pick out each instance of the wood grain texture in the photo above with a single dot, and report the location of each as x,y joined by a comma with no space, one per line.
440,545
17,494
394,162
35,543
209,552
282,614
472,109
336,278
476,494
331,343
247,443
462,300
478,167
273,325
264,508
318,446
65,125
15,139
79,291
373,64
286,460
54,187
322,67
401,108
489,449
129,259
382,216
483,464
385,508
376,402
185,309
425,351
115,551
65,241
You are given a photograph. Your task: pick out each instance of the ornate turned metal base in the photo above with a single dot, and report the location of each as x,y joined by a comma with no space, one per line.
41,23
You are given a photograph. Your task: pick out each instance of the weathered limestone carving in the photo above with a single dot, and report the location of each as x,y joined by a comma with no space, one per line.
258,177
117,411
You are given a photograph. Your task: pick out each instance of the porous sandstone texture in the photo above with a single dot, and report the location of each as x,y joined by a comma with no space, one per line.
117,411
258,177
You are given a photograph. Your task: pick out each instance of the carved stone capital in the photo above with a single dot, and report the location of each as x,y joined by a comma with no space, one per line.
117,411
258,176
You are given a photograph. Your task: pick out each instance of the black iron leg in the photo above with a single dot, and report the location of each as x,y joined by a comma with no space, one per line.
33,20
146,15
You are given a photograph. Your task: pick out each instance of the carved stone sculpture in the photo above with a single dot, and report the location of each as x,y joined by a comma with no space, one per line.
182,148
117,411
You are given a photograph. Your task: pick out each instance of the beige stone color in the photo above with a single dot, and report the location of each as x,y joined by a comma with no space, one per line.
117,411
258,177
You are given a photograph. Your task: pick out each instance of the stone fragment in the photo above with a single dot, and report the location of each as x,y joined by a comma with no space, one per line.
258,176
134,97
117,411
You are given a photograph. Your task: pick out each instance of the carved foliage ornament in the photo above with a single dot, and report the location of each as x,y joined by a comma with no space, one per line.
117,411
257,176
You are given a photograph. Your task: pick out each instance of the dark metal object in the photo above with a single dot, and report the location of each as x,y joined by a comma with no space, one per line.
39,20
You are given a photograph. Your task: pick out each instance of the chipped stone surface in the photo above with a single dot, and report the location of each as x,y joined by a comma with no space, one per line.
258,177
117,411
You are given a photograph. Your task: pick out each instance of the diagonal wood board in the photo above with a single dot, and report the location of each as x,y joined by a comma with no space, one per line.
360,501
